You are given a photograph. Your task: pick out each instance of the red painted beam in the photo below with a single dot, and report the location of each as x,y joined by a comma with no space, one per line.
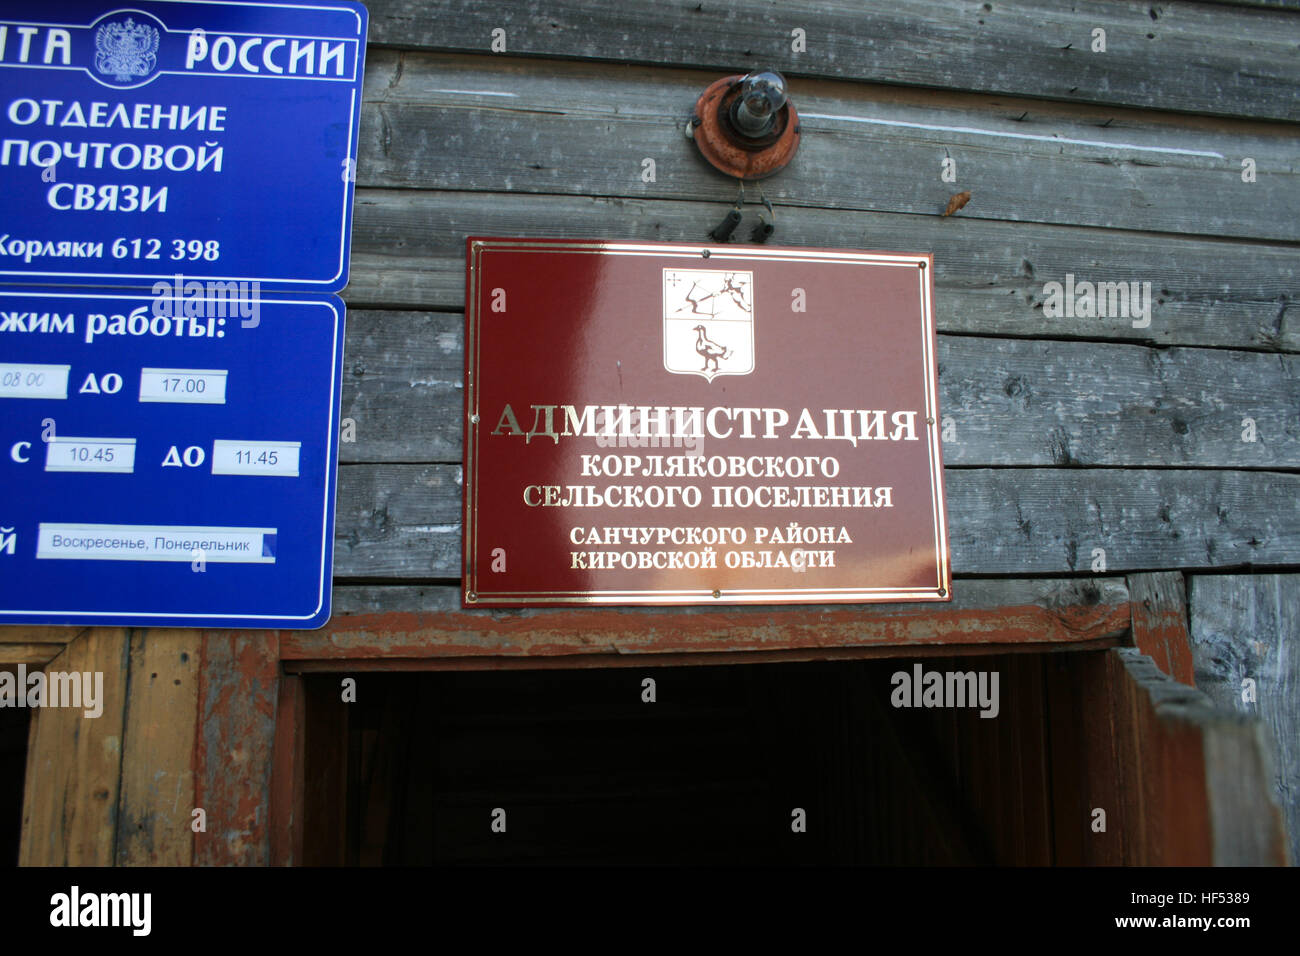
1063,616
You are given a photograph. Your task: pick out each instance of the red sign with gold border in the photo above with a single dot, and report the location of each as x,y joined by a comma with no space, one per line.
663,423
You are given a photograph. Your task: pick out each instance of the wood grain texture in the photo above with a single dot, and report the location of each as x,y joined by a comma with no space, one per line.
1272,4
1153,754
1047,521
157,783
493,124
70,801
288,792
1247,824
1244,820
421,623
30,634
403,521
403,386
1159,602
1010,401
1164,804
409,252
238,692
1176,56
1248,626
1082,720
37,655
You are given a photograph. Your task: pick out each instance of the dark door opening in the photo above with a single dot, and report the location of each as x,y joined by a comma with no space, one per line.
722,767
15,724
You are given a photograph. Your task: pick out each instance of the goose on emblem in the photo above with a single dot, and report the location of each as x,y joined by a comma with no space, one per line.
711,350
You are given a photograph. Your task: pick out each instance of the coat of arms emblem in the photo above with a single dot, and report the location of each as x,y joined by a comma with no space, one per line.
126,50
708,322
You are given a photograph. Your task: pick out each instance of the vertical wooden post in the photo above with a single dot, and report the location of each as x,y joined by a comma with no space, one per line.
156,801
239,680
288,774
70,799
1159,603
1181,782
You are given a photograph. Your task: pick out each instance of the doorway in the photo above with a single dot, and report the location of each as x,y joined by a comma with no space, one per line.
795,763
15,725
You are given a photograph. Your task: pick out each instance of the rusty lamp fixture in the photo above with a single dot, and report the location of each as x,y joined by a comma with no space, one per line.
747,128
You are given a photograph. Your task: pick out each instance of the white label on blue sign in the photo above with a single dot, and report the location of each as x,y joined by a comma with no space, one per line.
127,542
109,455
184,386
33,381
255,458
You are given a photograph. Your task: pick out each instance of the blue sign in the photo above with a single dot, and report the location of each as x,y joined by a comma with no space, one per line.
168,460
217,139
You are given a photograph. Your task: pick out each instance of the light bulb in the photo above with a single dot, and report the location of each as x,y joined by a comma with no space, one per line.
762,94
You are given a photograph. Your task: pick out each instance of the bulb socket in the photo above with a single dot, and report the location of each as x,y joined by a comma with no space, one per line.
736,139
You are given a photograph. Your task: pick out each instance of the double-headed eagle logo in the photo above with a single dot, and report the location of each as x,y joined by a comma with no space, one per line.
125,50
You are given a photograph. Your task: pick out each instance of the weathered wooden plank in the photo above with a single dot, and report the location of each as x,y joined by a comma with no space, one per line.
676,659
1245,627
1004,401
37,655
409,251
398,521
1082,705
1164,805
480,123
70,798
1171,56
1159,604
1153,755
1244,823
27,634
1274,4
238,691
403,385
288,790
403,521
1245,819
1043,402
1039,521
156,799
423,623
1028,743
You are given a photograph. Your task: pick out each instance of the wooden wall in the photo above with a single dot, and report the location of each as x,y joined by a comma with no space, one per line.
1073,442
1245,627
1068,435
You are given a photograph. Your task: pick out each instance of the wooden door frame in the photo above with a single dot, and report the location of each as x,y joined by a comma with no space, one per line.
1180,813
196,704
